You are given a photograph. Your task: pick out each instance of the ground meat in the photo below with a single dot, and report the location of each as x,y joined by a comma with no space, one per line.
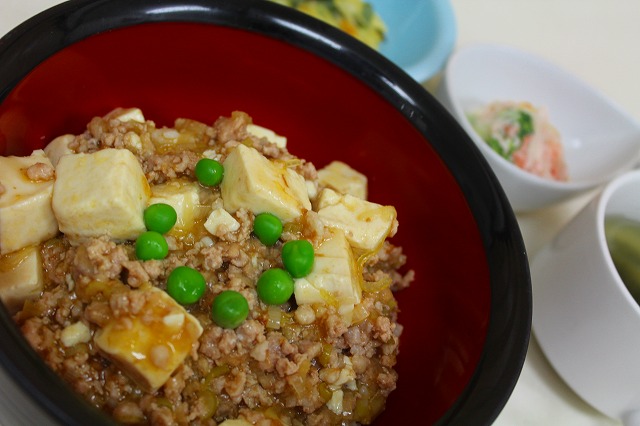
136,273
308,171
128,412
98,312
232,128
389,261
160,168
269,370
100,259
40,172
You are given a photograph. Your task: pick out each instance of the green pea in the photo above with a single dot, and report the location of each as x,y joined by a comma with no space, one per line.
267,228
229,309
209,172
275,286
186,285
297,257
151,245
160,217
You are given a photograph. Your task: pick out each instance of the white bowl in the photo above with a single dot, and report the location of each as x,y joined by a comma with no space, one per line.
600,140
585,318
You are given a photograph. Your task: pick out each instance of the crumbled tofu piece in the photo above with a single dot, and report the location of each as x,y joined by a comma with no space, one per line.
75,333
126,114
151,344
212,154
347,373
254,182
58,147
333,279
336,378
183,197
365,224
102,193
221,222
21,277
26,217
335,403
268,134
343,179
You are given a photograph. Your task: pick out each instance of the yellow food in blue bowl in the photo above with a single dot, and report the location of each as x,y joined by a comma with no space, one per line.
355,17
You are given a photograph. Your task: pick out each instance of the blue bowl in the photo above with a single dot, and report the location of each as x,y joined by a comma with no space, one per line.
421,34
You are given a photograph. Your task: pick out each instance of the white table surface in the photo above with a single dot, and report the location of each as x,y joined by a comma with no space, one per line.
596,40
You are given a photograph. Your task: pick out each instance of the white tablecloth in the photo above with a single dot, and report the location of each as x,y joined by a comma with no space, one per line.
596,40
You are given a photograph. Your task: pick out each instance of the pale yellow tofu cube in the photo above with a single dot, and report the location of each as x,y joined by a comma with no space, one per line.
26,217
102,193
365,224
183,196
268,134
21,277
260,185
58,148
220,222
334,279
342,178
151,344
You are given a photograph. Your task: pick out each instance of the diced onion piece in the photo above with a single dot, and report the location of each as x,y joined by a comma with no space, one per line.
274,317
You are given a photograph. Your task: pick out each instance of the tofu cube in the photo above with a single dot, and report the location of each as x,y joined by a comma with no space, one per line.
21,277
365,224
221,222
343,179
254,182
126,114
151,344
183,197
26,217
58,147
334,279
268,134
102,193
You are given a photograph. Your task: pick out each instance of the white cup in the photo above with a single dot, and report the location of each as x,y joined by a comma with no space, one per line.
584,318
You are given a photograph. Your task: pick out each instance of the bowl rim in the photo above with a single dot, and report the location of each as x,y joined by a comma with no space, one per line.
521,55
509,326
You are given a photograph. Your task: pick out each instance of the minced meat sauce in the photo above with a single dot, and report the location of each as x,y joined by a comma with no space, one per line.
103,320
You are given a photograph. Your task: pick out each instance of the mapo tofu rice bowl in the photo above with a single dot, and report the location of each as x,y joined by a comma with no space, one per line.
201,274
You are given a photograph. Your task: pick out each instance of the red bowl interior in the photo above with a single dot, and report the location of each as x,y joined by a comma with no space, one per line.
200,71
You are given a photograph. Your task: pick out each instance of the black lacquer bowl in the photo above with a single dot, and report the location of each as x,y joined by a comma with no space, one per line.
466,317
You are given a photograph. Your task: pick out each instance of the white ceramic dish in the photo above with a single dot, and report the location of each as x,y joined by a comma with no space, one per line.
600,140
421,34
585,319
